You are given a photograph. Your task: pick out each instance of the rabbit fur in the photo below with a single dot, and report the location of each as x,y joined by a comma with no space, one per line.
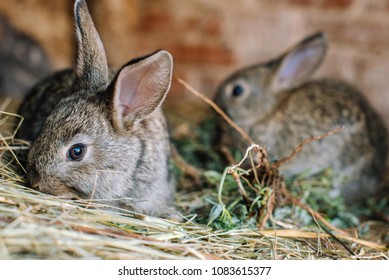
279,107
102,135
23,61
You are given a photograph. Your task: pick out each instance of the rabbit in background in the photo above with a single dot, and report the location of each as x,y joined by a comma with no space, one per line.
100,135
277,105
22,61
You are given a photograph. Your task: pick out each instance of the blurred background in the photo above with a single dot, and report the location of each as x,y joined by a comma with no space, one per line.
210,39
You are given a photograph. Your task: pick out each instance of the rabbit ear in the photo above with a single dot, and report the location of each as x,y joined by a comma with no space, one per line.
299,63
140,88
91,61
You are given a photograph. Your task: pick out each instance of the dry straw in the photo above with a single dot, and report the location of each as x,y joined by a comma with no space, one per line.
34,225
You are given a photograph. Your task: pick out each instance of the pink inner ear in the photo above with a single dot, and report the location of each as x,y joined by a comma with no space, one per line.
141,87
128,93
135,87
300,64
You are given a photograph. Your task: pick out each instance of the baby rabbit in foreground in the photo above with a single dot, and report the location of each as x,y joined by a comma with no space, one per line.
100,138
278,107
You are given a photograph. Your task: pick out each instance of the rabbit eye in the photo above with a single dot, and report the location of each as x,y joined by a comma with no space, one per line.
77,152
237,91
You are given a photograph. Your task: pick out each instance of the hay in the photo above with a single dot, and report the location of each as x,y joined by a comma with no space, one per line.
34,225
38,226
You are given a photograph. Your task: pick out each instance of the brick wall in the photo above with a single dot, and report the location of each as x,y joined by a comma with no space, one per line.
209,39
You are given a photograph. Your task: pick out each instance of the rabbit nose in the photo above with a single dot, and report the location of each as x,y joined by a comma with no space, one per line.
34,179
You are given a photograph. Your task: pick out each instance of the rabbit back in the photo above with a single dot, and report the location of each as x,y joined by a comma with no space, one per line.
357,154
41,100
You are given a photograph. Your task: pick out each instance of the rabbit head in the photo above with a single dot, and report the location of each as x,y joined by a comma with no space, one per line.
107,139
250,94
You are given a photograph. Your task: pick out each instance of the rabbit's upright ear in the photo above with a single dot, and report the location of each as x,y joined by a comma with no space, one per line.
300,62
140,88
91,61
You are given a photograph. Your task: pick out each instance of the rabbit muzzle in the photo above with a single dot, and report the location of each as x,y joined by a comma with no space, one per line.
50,185
33,179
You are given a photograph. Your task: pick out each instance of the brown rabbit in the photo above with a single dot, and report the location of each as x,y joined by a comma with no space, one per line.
276,104
23,61
101,138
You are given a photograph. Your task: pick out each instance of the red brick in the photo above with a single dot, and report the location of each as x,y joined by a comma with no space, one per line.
336,4
378,5
210,26
213,27
331,4
156,22
202,54
359,33
374,80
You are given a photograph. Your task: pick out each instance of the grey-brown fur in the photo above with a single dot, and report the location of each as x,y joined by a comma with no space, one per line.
23,61
117,118
279,108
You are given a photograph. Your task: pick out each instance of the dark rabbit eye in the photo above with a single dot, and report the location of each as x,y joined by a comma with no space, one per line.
237,91
77,152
